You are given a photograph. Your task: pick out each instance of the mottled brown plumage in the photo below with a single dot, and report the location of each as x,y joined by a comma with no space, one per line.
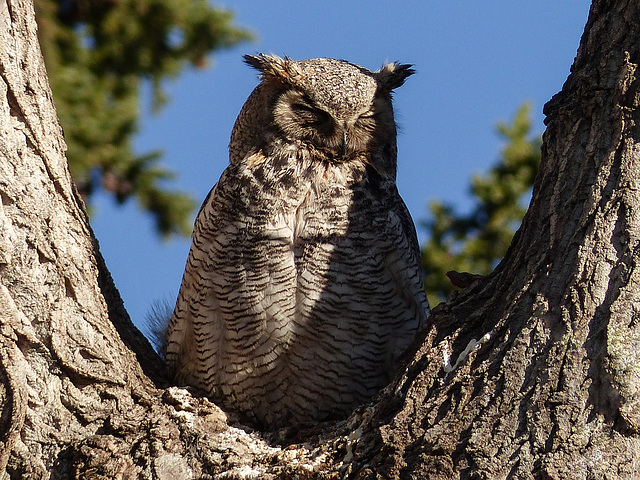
303,285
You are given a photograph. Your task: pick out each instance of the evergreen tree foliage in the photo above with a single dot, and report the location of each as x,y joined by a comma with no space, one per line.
475,242
97,53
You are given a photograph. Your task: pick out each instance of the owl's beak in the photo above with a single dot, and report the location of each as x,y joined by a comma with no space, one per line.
344,144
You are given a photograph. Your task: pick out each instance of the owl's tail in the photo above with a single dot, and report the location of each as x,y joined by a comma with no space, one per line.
157,322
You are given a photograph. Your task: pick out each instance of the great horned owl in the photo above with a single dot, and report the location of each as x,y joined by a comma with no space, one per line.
303,285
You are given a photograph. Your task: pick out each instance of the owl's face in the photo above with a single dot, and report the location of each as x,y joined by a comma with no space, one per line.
341,131
335,107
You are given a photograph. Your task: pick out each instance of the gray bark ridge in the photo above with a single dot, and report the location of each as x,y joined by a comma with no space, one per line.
64,369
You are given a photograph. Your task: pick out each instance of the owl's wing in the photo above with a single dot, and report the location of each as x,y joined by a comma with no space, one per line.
404,263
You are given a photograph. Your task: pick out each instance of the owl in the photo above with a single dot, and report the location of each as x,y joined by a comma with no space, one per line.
303,286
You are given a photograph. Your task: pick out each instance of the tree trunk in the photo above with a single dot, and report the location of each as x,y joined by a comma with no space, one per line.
531,372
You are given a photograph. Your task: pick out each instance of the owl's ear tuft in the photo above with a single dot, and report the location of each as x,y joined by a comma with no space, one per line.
393,75
271,67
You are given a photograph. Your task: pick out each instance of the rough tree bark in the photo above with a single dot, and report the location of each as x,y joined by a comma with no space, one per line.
531,372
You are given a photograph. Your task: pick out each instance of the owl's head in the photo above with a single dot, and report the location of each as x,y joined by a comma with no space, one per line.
337,108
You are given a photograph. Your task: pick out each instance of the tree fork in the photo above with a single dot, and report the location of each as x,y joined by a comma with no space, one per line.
530,372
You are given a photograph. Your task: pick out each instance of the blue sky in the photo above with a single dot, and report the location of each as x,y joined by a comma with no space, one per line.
476,62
